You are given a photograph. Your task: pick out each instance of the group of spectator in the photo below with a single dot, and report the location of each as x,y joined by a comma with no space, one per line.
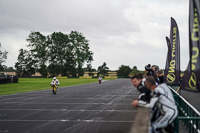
155,72
157,96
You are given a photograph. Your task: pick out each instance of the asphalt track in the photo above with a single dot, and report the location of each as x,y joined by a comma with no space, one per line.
192,98
91,108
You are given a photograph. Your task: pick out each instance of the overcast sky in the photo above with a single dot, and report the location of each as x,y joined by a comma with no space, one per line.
128,32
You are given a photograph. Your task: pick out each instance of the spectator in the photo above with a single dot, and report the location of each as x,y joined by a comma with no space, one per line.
150,72
162,98
144,92
154,68
160,76
140,76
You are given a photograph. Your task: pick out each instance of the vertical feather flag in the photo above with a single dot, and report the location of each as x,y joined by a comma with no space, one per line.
172,68
191,78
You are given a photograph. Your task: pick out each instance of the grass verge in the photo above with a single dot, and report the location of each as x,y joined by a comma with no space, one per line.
34,84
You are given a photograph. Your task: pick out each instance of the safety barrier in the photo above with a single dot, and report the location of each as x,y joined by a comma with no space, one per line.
187,114
141,125
110,77
81,77
63,77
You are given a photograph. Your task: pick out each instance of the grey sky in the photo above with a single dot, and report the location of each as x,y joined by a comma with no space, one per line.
128,32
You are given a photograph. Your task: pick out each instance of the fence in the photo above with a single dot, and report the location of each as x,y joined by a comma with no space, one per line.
187,114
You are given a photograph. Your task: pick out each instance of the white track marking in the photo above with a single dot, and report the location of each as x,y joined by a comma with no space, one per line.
67,120
81,110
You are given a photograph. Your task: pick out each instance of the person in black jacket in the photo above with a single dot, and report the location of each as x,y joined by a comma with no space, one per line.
139,84
161,76
150,72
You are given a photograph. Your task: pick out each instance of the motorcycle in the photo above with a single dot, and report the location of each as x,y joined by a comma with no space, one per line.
54,87
100,80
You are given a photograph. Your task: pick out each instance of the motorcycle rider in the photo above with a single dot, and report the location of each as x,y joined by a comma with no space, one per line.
55,81
100,79
162,98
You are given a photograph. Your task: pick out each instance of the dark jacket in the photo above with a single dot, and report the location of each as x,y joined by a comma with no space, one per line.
152,73
145,94
161,79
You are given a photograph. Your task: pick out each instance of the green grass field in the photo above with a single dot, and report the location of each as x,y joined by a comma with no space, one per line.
34,84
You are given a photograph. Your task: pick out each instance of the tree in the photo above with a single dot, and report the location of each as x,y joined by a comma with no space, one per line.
70,65
25,65
80,48
39,50
134,70
3,57
4,68
8,69
90,70
124,71
59,47
1,67
43,70
89,65
56,54
103,69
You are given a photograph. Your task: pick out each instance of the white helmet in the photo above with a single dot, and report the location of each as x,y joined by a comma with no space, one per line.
54,78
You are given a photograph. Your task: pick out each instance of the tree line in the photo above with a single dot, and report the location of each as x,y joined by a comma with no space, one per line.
3,57
58,53
54,54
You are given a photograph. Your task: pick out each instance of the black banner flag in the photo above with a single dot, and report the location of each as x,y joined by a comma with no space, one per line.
168,59
172,71
191,79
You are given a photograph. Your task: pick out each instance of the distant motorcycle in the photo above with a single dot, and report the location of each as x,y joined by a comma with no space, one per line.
100,80
54,87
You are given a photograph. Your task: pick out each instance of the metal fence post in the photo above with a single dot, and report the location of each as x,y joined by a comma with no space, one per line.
176,126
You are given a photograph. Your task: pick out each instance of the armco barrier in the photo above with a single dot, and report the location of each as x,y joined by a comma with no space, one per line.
73,77
62,77
187,114
120,77
9,80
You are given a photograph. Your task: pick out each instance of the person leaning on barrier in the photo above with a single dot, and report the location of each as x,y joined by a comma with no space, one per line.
162,98
138,83
140,76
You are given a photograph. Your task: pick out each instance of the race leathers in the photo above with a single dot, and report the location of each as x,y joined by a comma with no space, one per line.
163,99
144,92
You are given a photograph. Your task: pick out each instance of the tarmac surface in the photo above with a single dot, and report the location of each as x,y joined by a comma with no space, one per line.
192,98
91,108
